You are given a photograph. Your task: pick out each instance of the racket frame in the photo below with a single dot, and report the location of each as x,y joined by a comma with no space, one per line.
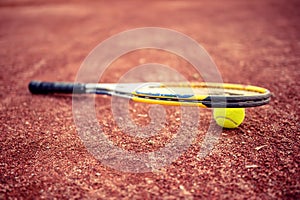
132,91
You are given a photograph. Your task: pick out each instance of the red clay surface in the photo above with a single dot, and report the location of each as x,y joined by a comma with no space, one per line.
252,42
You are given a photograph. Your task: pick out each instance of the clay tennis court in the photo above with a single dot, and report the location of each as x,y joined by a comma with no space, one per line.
252,42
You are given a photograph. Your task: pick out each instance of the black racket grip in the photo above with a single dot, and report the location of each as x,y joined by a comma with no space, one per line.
38,87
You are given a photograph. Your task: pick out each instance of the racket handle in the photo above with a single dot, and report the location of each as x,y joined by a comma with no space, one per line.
37,87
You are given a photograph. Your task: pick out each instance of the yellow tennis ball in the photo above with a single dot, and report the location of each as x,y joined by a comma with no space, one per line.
229,117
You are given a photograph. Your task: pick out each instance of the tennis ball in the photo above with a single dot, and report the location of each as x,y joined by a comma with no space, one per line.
229,117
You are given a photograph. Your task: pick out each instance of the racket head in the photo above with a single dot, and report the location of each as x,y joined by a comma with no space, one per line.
202,94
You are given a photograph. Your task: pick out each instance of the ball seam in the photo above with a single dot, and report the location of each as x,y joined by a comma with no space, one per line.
227,119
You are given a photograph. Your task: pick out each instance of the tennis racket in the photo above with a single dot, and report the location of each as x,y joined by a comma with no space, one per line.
203,94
